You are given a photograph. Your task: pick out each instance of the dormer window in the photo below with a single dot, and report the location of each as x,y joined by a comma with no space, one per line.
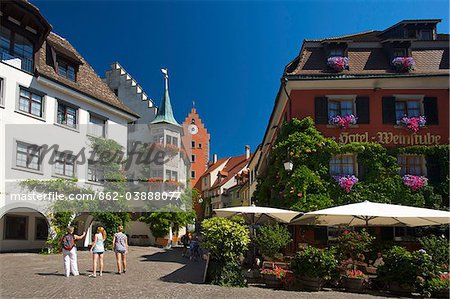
400,52
336,52
66,69
426,34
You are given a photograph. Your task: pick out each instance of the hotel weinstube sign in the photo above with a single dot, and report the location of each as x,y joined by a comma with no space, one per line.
389,138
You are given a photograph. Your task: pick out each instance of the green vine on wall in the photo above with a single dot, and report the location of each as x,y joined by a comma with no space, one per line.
309,185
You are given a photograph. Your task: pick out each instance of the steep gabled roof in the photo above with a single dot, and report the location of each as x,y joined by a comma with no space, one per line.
88,82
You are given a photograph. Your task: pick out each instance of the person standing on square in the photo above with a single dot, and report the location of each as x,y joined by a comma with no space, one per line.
69,251
120,245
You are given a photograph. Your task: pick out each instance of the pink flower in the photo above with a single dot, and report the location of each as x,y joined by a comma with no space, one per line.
346,182
413,123
415,182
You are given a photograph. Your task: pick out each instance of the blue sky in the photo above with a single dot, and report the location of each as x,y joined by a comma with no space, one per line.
227,56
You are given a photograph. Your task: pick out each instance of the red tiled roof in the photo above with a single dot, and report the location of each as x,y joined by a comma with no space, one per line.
368,53
88,82
233,166
313,61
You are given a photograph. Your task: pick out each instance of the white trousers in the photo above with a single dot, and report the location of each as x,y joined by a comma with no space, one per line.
70,262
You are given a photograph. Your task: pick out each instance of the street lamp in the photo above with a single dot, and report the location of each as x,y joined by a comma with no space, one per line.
288,165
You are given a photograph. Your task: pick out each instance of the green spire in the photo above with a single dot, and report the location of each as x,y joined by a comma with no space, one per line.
165,112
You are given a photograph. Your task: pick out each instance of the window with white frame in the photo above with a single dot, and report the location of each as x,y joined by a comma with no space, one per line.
192,144
343,165
193,174
96,171
97,126
28,156
171,175
411,164
340,107
192,158
67,115
336,52
64,164
157,173
30,102
407,108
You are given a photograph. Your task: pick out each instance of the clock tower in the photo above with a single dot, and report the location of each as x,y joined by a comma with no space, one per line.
196,141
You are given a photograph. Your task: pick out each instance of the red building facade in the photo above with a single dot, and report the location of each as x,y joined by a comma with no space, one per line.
360,75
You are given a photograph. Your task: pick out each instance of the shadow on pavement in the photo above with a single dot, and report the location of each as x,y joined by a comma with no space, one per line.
191,272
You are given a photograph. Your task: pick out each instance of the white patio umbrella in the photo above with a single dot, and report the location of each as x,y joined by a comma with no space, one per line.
375,214
258,215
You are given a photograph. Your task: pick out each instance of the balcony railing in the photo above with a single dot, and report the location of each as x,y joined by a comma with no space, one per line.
23,63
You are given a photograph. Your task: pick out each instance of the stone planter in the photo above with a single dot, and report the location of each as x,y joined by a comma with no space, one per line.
354,285
311,283
271,281
396,289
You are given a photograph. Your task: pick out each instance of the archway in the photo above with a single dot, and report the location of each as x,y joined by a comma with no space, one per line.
23,229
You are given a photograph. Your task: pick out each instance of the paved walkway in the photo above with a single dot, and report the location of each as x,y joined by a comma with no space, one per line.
152,273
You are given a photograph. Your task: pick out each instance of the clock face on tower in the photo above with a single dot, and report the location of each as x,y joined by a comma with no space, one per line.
193,129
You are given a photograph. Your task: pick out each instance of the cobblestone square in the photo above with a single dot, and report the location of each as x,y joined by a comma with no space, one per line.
152,273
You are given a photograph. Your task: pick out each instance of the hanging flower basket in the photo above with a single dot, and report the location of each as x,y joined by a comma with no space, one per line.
403,64
343,122
338,63
415,182
346,182
412,123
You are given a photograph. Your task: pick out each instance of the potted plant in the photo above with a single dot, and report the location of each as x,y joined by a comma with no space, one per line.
274,278
440,286
405,272
271,239
343,122
403,64
412,123
354,281
314,266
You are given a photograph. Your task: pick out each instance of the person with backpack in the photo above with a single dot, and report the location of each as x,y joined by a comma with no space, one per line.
97,249
185,240
69,251
120,246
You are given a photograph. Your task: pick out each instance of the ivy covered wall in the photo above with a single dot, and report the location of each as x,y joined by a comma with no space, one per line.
309,186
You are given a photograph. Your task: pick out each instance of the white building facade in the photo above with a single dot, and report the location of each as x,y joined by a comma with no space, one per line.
49,95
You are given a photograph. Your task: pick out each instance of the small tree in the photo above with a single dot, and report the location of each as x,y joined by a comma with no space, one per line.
439,250
354,243
272,238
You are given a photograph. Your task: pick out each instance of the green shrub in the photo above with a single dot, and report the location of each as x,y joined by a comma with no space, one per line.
315,263
409,270
272,238
438,248
226,240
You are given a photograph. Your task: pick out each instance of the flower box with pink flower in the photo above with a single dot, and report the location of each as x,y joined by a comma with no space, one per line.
337,63
413,123
346,182
403,64
415,182
343,122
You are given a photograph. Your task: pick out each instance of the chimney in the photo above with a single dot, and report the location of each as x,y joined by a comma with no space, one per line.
214,158
247,152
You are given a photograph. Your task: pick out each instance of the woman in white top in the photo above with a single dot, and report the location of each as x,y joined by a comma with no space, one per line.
97,249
